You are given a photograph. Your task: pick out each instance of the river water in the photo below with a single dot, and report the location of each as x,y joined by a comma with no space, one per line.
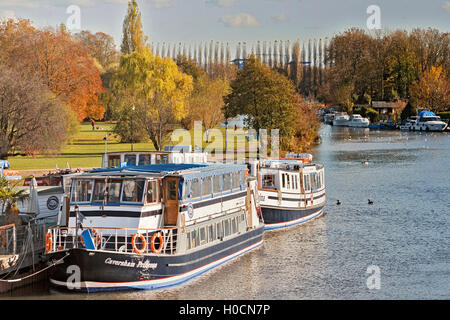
397,248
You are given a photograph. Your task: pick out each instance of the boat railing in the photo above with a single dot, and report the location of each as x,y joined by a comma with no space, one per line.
120,240
23,238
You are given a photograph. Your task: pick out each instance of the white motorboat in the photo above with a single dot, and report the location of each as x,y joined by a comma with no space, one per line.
341,119
358,122
428,121
407,125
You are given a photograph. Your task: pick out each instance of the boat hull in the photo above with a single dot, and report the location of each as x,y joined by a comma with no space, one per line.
279,218
112,271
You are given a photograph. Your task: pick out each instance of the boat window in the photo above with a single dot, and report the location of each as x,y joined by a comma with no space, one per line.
296,182
145,159
236,179
283,180
152,192
172,189
81,191
99,191
226,226
162,158
306,178
216,183
202,236
313,181
113,161
219,230
211,233
288,181
233,225
196,190
130,159
226,182
188,241
206,186
133,190
243,178
268,181
186,186
113,191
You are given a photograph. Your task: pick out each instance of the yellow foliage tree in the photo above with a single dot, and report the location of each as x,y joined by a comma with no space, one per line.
154,89
432,91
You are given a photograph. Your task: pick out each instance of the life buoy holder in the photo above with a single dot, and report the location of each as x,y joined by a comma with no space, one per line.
96,236
161,242
144,243
48,242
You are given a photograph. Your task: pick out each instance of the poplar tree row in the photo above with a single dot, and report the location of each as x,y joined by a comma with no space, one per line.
303,65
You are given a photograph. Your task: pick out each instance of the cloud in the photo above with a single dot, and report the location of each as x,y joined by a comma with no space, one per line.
240,20
446,6
221,3
280,18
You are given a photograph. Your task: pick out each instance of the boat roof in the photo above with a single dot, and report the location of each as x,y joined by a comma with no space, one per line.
187,170
426,113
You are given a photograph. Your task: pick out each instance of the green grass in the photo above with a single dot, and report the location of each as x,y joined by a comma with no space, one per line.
85,151
88,146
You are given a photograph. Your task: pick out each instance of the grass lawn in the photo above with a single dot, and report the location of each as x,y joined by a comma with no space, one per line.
88,146
85,151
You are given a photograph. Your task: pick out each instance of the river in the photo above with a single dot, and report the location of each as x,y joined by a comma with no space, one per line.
397,248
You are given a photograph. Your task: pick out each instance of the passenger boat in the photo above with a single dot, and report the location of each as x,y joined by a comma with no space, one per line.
357,121
341,119
291,190
428,121
154,226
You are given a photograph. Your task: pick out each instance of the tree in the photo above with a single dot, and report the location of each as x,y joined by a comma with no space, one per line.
157,90
432,91
409,110
268,99
9,196
32,119
100,46
133,34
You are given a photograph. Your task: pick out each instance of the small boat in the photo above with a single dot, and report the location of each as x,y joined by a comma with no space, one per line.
408,123
291,190
357,121
341,119
428,121
154,226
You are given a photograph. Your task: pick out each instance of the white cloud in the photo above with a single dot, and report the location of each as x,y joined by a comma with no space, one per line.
241,20
446,6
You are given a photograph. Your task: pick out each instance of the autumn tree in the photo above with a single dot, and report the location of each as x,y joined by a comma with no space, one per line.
133,34
432,91
99,46
32,119
267,97
156,89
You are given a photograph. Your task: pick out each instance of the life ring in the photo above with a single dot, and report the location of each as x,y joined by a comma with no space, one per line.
133,243
48,242
96,235
258,211
161,241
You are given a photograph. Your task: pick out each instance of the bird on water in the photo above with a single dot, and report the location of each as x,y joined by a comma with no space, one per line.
338,203
370,202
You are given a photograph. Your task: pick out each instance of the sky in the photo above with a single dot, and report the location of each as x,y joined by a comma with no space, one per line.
195,21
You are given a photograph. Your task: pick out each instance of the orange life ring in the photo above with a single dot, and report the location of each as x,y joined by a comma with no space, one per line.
133,243
161,241
48,242
96,235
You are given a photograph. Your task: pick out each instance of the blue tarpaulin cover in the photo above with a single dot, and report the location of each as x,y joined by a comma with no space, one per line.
426,114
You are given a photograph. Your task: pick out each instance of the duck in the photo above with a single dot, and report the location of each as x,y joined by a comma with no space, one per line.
370,202
338,203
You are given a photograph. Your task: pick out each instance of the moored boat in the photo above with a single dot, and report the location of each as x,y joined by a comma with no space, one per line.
148,227
428,121
341,119
291,190
357,121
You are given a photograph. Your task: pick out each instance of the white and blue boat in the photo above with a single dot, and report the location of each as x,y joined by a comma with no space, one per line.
291,190
154,226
